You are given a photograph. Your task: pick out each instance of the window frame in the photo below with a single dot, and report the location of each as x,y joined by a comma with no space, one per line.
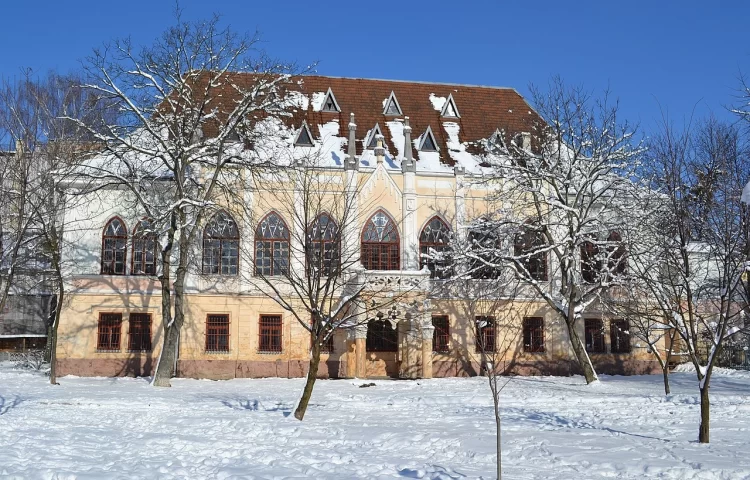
593,331
486,332
123,248
617,261
425,246
107,339
536,264
136,335
143,239
529,326
372,253
317,243
269,332
615,332
216,331
259,241
441,336
217,258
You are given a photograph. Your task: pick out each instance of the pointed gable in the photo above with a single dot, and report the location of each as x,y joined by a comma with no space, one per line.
391,106
372,138
329,103
427,142
449,109
303,138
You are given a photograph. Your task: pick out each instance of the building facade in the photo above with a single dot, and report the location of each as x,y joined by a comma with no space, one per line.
410,154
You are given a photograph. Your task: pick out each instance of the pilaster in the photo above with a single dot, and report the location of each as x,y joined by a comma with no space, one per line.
409,249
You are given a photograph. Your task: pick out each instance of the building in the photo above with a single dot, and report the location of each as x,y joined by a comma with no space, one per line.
414,152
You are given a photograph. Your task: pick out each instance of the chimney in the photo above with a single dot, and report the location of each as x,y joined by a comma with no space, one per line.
526,141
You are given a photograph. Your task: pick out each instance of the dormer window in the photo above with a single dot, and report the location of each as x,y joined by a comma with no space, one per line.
449,109
329,103
391,106
496,143
303,138
428,143
372,138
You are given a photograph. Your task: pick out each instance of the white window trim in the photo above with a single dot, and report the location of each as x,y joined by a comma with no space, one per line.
392,98
330,95
448,102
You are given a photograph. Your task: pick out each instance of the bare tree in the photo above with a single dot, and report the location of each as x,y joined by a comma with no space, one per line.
562,192
320,281
188,107
692,256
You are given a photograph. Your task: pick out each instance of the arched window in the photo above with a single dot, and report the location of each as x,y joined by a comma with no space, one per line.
144,249
434,239
380,243
591,265
617,261
323,246
527,242
221,246
381,336
114,241
486,247
272,246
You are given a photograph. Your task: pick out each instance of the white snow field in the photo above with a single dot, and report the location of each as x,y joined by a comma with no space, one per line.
554,428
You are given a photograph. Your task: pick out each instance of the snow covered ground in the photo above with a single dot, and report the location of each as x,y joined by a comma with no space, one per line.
554,428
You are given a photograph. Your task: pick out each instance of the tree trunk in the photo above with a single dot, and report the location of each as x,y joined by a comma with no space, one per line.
705,415
498,442
312,375
52,336
580,352
665,372
167,357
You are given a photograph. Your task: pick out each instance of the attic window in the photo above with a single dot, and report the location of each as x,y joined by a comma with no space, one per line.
428,143
304,138
391,106
372,140
496,142
449,109
329,103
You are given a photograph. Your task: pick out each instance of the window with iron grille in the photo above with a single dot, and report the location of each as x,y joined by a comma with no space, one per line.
528,244
221,246
434,240
217,333
594,330
441,336
485,337
323,252
110,328
619,336
139,332
533,335
144,250
272,246
114,241
380,243
269,334
381,336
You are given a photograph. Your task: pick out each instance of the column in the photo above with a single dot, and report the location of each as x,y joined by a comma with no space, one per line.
409,204
360,351
427,334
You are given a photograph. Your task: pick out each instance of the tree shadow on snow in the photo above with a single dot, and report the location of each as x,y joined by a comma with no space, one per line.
256,405
6,404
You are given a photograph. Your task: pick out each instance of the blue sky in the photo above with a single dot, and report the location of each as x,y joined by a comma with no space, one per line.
680,57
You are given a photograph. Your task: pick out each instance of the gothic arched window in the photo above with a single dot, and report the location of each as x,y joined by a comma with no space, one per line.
272,246
526,249
144,249
114,243
433,240
380,243
221,246
323,240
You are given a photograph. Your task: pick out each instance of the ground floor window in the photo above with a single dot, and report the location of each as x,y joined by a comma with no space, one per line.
139,332
619,333
533,334
381,336
441,336
217,333
485,337
269,331
594,330
109,332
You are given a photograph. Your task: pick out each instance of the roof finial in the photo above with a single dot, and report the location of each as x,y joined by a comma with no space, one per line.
408,164
379,149
351,162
